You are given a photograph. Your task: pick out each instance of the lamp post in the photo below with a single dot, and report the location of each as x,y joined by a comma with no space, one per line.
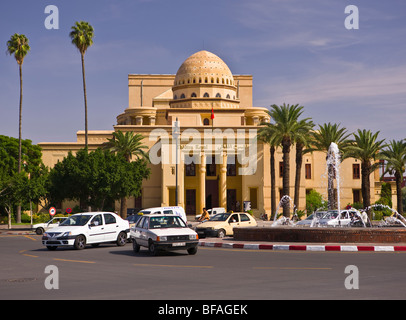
176,134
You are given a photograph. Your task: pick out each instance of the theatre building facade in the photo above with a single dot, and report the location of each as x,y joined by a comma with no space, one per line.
200,126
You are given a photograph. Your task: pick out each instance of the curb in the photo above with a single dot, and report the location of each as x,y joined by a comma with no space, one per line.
319,248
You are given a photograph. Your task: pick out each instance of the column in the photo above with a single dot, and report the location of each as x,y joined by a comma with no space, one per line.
202,184
223,182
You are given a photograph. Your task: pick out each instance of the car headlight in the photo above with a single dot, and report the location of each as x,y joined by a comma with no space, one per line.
163,238
67,234
193,237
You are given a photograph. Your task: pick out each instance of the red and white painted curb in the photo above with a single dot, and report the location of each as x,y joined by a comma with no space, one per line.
290,247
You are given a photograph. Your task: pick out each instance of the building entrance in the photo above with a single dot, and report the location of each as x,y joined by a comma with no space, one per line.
212,194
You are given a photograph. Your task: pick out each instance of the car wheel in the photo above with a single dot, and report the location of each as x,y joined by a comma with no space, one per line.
192,251
136,247
39,231
52,248
152,249
80,242
121,239
221,233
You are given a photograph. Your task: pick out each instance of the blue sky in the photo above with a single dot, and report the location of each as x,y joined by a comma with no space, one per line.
297,51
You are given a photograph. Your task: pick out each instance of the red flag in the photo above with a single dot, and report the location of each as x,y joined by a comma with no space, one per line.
212,113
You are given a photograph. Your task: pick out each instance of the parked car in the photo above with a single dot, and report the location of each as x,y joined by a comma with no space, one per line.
88,228
133,219
212,212
309,220
40,228
345,219
222,224
163,232
165,210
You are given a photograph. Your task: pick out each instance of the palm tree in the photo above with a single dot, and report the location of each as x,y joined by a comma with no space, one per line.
321,140
302,139
267,134
366,148
287,123
82,37
18,45
127,144
395,157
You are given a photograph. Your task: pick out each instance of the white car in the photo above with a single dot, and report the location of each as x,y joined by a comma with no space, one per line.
212,212
39,228
87,228
163,232
165,210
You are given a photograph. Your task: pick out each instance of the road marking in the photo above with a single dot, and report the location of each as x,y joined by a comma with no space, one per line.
31,238
170,266
290,268
67,260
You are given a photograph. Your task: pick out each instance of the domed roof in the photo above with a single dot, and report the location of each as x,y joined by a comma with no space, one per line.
204,67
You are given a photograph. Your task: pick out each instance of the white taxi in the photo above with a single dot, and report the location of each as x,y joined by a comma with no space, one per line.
88,228
165,232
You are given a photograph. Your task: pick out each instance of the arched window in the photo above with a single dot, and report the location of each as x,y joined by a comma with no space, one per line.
182,96
228,96
218,95
193,95
194,80
212,80
205,80
218,80
175,97
200,80
206,122
206,95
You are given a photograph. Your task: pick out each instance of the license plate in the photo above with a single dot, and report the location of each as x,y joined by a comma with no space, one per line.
178,244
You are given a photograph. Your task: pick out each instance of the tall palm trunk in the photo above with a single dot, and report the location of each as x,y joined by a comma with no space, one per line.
273,182
286,175
365,185
85,97
399,179
299,161
18,218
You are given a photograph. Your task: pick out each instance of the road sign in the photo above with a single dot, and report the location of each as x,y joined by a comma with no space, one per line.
52,211
68,210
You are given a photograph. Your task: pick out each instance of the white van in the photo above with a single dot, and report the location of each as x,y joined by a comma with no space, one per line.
165,210
212,212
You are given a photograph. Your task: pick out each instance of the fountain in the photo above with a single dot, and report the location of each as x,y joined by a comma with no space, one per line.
285,229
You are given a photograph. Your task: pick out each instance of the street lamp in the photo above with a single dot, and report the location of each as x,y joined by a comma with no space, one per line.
176,134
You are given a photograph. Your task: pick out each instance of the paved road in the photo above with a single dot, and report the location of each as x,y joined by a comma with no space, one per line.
110,272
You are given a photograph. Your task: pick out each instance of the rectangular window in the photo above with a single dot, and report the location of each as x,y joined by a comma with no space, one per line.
356,195
356,171
190,170
211,166
308,171
254,198
231,166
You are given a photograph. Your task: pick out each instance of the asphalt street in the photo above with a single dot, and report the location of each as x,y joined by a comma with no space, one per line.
110,272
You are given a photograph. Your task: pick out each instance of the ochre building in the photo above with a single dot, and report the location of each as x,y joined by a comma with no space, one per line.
219,162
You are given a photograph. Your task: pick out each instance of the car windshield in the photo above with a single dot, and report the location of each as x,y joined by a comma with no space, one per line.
166,222
220,217
79,220
331,215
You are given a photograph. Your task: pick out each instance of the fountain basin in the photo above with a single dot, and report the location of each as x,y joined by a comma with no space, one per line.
321,235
